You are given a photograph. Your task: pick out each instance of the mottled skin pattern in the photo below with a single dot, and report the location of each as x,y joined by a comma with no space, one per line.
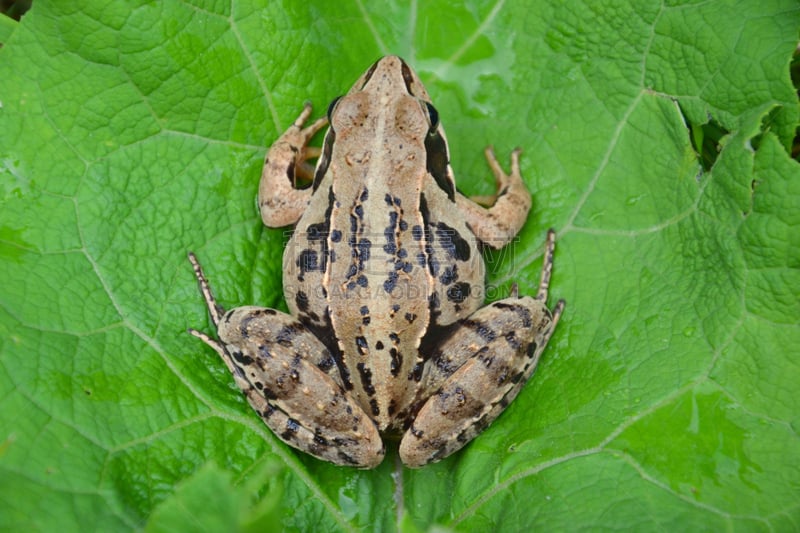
384,279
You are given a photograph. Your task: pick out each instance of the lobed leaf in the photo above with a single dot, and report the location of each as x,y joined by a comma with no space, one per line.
132,132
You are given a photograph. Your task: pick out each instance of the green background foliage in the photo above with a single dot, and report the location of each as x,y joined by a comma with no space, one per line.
131,132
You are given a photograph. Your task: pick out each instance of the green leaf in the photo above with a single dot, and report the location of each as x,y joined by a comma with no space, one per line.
7,27
132,132
208,500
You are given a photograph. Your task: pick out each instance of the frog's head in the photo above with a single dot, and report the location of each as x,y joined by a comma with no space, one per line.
391,74
388,112
389,96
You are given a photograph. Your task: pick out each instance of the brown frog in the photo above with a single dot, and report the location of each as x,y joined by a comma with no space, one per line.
384,281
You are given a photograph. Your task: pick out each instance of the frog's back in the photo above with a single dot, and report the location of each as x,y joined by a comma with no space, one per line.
372,273
381,257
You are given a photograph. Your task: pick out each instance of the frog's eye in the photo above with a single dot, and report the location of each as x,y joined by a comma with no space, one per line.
333,106
433,115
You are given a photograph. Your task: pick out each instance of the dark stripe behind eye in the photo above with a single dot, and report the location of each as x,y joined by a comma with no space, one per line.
407,77
325,158
369,73
437,161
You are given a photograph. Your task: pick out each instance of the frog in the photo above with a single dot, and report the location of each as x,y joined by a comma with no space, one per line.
387,336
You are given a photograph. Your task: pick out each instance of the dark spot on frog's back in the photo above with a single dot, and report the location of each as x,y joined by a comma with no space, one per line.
390,283
433,305
366,378
483,331
292,426
482,423
452,241
288,333
433,266
373,403
345,457
301,301
449,275
307,261
269,394
319,440
513,341
326,363
316,232
241,358
361,345
244,325
263,311
388,199
364,246
532,348
396,361
416,372
263,351
521,311
458,292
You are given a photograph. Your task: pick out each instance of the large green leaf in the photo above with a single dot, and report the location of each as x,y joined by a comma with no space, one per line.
131,132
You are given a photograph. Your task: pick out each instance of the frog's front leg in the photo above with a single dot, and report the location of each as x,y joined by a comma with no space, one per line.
496,225
279,201
291,380
479,369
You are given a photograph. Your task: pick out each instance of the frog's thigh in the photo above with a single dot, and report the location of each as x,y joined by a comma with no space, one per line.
291,380
475,373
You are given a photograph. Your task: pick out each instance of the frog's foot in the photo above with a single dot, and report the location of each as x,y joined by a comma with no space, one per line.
508,209
479,369
279,201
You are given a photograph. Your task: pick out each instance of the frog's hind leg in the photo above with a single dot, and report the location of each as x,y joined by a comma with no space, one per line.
479,369
291,380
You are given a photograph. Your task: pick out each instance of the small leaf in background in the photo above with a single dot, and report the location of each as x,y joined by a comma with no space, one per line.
657,141
208,500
